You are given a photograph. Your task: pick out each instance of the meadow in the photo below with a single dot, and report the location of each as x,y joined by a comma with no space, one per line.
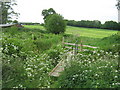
86,32
30,53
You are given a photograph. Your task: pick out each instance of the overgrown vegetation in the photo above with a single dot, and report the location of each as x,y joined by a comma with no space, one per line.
95,70
27,59
28,55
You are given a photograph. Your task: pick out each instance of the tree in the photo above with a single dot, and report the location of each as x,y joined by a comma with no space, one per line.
111,25
15,21
118,4
55,24
6,11
118,7
48,12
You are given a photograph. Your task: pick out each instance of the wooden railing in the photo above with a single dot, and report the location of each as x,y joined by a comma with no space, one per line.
60,66
75,46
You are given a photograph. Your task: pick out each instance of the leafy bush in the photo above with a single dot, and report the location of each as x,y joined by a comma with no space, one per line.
55,24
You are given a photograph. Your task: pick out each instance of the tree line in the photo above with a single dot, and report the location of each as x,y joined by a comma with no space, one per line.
28,23
94,24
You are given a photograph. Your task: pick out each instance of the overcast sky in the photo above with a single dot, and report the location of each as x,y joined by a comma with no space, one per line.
103,10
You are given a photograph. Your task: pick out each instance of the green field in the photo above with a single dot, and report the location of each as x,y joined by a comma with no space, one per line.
86,32
34,27
89,32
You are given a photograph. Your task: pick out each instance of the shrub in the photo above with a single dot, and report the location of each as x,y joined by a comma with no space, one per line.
55,24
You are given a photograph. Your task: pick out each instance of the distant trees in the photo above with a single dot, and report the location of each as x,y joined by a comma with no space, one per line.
53,22
15,21
111,25
94,24
29,23
85,23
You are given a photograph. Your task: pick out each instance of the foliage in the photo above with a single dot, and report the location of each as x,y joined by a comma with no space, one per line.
28,55
22,61
55,54
44,44
7,11
33,71
48,12
118,5
111,25
109,43
15,21
83,23
29,23
94,24
55,24
94,70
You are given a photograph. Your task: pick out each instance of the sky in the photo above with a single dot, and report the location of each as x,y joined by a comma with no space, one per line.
103,10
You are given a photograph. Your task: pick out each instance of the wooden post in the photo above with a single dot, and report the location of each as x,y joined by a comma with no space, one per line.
81,46
63,42
72,50
76,47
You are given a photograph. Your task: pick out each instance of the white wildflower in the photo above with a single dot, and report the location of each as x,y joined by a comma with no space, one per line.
116,76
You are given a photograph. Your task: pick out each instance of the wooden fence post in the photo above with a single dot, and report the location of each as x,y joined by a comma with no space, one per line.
63,42
81,46
76,47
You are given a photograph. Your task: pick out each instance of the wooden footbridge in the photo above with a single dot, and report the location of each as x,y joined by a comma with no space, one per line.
74,48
